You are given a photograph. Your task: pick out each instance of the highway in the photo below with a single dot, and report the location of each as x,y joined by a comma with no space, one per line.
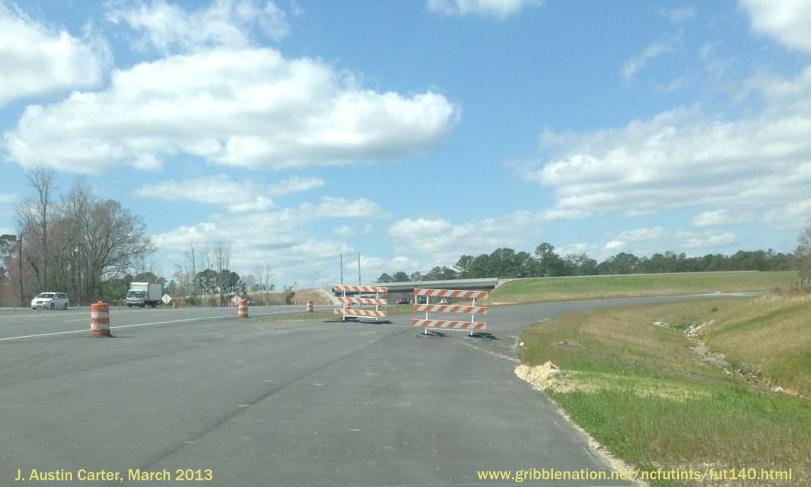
285,403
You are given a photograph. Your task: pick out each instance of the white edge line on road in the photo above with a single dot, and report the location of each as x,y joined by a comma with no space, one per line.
135,325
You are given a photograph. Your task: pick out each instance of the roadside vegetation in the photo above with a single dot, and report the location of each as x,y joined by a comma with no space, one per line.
599,287
546,262
712,384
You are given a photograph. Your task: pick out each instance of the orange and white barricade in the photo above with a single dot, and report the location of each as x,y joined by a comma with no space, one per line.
100,319
363,302
242,309
441,295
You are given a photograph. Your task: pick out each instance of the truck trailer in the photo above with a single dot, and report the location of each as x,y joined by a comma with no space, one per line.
144,294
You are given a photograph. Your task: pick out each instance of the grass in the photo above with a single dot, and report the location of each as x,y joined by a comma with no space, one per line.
594,287
771,336
643,392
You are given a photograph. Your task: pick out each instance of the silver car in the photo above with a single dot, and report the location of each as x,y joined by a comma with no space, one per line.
50,300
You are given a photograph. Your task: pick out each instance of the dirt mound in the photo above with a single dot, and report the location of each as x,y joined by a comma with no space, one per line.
542,377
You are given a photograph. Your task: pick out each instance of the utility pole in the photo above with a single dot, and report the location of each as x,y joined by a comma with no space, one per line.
359,283
267,285
341,255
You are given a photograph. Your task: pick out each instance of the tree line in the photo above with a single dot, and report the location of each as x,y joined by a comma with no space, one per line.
93,248
74,242
546,262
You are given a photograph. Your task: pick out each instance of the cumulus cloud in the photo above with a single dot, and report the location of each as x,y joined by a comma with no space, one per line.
786,21
248,108
39,59
686,157
224,23
499,9
221,190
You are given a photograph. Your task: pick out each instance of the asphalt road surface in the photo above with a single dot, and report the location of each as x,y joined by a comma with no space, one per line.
276,402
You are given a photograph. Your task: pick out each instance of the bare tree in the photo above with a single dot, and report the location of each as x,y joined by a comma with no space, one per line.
263,275
191,258
34,214
267,280
802,258
112,241
222,261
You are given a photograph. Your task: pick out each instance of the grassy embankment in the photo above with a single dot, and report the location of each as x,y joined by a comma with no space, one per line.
594,287
646,392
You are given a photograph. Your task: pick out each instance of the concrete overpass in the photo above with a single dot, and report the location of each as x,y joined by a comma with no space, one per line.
485,284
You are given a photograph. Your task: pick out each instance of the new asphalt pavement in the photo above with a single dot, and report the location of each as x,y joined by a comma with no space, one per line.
278,402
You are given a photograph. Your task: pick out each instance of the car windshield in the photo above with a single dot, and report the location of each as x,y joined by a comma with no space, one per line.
45,295
136,294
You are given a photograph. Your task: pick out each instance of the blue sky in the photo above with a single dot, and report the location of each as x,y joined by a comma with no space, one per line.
416,131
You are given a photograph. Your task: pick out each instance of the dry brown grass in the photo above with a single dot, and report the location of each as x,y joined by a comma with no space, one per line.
769,335
643,391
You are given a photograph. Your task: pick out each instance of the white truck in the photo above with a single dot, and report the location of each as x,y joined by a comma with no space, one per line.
144,294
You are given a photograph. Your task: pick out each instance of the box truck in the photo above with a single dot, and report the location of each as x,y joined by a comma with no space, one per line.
144,294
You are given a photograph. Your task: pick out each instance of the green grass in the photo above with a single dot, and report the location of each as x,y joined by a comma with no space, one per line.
593,287
643,392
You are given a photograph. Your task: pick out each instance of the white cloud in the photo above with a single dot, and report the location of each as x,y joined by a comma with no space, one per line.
674,85
786,21
499,9
280,237
642,234
332,207
713,241
793,215
38,59
435,241
652,51
235,196
295,184
717,218
224,23
686,158
614,245
648,240
366,229
248,108
678,15
344,231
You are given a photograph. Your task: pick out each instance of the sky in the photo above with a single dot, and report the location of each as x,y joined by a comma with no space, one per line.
412,132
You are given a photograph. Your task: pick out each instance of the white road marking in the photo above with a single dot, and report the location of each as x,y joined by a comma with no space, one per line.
136,325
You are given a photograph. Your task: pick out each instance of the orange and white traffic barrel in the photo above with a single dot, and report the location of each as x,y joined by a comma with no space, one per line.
100,319
242,310
310,306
